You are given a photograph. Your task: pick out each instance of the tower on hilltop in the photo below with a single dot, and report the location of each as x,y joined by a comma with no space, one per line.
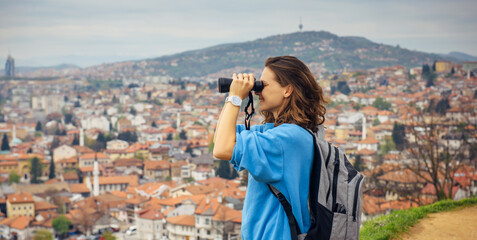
300,26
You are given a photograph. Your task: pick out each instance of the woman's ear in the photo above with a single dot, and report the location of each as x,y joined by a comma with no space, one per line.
288,91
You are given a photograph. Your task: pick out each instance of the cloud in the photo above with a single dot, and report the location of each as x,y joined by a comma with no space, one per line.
33,28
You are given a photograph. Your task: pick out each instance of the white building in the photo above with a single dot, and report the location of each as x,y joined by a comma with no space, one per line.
48,103
117,144
181,227
99,122
151,225
63,152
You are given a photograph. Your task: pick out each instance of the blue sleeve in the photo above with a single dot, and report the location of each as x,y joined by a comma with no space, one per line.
260,153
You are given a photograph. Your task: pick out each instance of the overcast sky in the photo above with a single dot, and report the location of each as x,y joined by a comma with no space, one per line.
88,32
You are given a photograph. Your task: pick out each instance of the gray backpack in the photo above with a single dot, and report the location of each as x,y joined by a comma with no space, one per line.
335,196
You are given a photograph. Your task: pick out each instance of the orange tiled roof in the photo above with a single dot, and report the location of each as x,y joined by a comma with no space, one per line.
402,176
156,165
199,189
366,152
86,169
79,188
152,214
19,156
72,175
132,180
185,220
210,206
150,188
128,162
215,182
168,130
225,213
21,222
136,200
9,163
119,193
69,160
39,206
369,140
92,156
20,198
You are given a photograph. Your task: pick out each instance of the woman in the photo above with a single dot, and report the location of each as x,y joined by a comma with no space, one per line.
279,152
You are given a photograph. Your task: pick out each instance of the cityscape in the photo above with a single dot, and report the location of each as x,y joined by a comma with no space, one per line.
131,158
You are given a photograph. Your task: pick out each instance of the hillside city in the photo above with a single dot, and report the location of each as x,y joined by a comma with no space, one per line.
131,157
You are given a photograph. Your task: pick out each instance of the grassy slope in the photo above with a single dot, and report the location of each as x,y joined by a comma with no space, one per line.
391,225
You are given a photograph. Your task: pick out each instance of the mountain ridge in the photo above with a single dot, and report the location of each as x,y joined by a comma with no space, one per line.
323,50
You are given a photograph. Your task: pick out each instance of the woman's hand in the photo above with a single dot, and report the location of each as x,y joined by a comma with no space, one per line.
241,85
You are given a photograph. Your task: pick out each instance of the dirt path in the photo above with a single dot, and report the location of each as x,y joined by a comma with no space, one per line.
456,224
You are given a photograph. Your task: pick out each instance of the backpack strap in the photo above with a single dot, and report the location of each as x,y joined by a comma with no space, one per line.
294,228
314,184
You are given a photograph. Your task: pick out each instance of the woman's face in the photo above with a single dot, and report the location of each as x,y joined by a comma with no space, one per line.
273,95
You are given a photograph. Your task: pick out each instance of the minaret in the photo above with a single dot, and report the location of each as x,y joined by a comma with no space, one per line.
14,132
95,176
81,140
364,128
178,121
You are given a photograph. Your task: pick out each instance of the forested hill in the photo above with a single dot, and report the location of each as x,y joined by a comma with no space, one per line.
323,48
319,50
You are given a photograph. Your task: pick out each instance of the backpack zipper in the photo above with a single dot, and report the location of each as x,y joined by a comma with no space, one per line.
326,167
335,176
356,193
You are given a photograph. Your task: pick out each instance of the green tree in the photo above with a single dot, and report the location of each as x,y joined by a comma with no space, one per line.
211,145
100,142
399,136
61,224
183,135
36,169
376,122
358,163
387,146
189,149
5,144
75,140
380,103
52,170
442,106
55,143
428,75
68,118
100,137
153,124
38,126
128,136
43,234
107,235
343,87
13,177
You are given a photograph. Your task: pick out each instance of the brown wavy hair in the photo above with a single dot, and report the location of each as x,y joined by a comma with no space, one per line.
306,105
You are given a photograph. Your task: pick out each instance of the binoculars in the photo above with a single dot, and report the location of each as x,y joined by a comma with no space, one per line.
224,85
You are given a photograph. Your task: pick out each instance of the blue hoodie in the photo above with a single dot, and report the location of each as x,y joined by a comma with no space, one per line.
281,156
